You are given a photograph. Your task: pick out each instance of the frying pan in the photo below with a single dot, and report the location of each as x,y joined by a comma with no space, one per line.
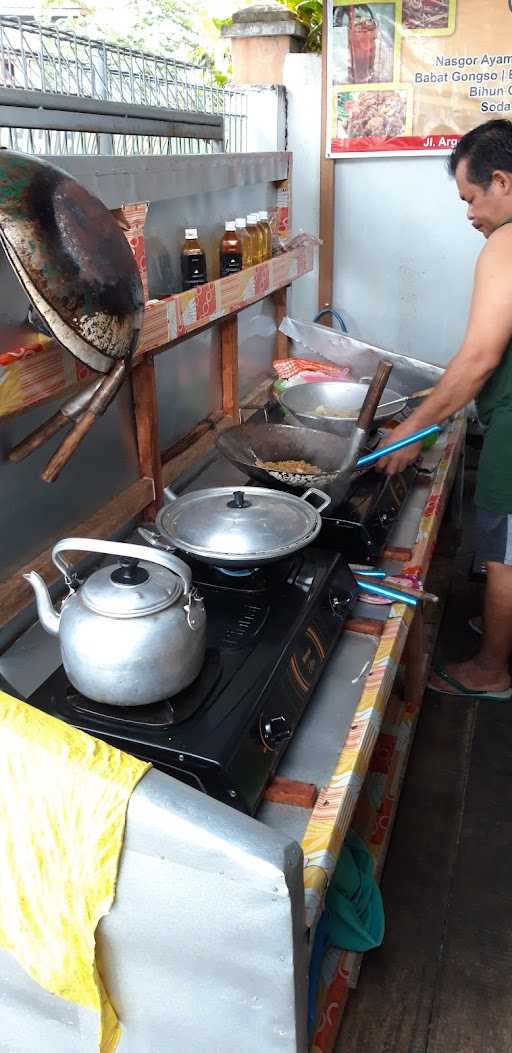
77,268
343,455
246,444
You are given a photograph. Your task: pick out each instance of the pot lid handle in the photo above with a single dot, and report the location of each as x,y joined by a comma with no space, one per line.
121,549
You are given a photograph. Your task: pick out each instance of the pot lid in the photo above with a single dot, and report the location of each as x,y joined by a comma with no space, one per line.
249,523
130,590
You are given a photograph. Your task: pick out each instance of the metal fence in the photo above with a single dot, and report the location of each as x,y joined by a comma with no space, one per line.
43,58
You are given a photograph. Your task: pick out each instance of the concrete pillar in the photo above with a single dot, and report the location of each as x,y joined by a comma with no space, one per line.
261,37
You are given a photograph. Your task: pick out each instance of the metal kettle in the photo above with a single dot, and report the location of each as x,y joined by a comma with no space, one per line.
133,633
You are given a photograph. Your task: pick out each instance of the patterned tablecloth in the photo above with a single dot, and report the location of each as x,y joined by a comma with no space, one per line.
372,758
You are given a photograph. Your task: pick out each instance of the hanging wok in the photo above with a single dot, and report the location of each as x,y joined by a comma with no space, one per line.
77,268
71,258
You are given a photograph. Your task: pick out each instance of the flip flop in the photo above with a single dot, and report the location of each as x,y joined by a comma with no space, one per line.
475,625
466,692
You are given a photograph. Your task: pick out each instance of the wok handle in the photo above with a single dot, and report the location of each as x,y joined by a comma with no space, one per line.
389,594
374,395
103,396
384,451
71,411
38,437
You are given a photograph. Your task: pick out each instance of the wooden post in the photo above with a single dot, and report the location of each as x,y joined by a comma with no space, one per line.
145,408
228,338
326,223
282,344
414,654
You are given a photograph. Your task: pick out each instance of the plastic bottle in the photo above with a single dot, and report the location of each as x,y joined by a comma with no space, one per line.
246,241
257,238
267,229
230,250
193,260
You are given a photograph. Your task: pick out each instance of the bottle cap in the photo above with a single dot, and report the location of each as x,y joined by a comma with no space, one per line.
251,218
191,232
240,222
230,224
264,215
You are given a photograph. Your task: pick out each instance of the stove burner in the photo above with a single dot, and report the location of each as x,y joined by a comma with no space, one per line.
170,711
242,573
269,636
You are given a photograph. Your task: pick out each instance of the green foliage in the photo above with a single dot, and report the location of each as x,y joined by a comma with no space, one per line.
310,15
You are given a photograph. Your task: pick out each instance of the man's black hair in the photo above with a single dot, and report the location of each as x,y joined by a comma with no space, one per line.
486,149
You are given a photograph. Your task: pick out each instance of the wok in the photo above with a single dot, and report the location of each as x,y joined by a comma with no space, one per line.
246,444
302,401
77,268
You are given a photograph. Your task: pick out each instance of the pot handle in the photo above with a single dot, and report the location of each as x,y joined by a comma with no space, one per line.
325,500
118,548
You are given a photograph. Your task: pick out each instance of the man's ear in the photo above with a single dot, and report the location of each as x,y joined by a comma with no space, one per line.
502,181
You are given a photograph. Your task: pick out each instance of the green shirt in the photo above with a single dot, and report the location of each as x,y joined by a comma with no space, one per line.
494,404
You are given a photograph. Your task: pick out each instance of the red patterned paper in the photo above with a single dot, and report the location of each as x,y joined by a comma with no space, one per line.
135,215
262,280
205,300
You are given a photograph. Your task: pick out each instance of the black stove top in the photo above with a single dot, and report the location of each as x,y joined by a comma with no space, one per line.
360,525
269,636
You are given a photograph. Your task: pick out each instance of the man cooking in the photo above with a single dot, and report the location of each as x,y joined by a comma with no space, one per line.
482,368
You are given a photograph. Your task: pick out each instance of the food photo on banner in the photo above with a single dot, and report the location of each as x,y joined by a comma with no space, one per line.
412,76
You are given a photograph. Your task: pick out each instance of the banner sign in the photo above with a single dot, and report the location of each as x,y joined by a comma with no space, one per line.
411,76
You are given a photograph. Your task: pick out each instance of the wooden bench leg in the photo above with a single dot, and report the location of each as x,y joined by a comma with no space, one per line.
414,654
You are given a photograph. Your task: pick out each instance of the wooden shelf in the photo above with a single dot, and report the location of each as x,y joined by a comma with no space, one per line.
40,375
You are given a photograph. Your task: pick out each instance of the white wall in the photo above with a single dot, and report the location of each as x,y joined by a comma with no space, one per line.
404,255
404,252
303,83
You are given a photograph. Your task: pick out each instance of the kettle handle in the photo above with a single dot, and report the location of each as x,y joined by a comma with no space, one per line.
119,548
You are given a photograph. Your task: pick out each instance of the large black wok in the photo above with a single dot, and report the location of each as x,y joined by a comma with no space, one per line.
78,270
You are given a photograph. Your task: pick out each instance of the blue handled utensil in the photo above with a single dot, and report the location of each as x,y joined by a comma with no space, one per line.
389,594
368,572
369,458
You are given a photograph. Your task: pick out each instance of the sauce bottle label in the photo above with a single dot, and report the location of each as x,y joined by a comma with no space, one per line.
193,269
230,263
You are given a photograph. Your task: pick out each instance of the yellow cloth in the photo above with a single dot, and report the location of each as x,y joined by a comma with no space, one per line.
63,801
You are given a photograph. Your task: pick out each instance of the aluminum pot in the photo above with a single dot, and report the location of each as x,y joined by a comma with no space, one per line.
245,526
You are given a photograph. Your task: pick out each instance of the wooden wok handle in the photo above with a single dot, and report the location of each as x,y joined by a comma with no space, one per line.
101,399
68,447
374,395
38,437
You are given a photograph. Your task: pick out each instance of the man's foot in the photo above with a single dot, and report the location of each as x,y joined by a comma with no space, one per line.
472,677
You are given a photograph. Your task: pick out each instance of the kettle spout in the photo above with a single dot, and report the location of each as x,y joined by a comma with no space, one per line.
47,615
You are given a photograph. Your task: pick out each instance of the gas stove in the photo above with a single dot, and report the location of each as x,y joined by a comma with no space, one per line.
269,636
359,526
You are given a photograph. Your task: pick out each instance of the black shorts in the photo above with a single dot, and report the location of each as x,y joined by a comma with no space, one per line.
493,537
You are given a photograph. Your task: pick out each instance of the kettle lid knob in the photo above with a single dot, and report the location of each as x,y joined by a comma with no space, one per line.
129,572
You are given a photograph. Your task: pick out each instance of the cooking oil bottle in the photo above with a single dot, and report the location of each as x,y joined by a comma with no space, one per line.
257,238
245,238
230,250
193,260
267,230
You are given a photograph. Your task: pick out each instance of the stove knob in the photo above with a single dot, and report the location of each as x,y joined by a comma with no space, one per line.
275,731
340,603
388,515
